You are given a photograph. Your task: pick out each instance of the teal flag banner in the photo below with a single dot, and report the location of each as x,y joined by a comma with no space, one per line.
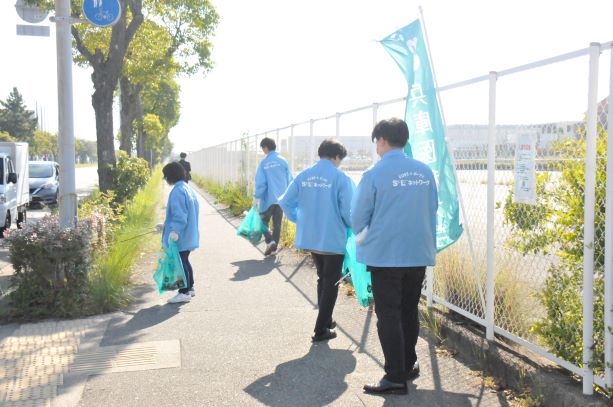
427,132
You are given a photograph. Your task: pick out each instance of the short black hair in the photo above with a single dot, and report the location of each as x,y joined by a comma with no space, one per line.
331,148
395,131
182,155
173,172
268,143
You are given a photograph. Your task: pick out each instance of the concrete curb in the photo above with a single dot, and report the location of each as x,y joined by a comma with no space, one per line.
517,370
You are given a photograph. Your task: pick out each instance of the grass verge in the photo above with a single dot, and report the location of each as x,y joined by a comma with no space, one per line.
110,279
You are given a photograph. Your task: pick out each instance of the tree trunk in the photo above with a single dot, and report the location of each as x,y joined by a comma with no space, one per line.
102,101
107,70
131,110
125,116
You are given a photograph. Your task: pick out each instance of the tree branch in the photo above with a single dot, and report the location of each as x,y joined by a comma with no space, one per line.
81,46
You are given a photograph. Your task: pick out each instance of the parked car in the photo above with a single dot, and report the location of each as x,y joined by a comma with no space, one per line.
13,184
44,182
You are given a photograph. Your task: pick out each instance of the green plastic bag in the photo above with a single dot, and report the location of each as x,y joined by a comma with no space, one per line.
360,278
170,275
252,228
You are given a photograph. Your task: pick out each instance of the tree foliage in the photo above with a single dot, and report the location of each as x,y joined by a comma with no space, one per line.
15,119
555,226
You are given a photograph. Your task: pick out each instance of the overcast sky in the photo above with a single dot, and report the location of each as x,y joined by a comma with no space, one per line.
279,62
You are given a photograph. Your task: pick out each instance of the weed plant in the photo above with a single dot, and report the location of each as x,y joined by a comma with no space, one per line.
110,279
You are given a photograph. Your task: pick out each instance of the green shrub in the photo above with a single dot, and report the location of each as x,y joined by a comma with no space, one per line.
129,176
555,225
103,204
51,266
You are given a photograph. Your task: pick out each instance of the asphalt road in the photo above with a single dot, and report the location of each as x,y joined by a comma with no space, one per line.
86,181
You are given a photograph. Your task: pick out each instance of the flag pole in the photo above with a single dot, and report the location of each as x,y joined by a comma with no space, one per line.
452,159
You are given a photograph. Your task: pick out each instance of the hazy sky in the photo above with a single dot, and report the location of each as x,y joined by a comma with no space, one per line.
278,62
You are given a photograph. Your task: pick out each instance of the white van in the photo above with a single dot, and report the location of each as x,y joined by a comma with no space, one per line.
14,184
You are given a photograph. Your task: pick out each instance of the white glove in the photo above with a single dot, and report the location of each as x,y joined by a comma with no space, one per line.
255,203
159,227
174,236
359,238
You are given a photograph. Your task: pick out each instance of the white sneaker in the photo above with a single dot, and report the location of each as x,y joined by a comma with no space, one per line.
180,298
192,292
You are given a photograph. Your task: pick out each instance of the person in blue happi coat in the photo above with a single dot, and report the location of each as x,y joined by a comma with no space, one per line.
394,218
181,224
319,202
271,180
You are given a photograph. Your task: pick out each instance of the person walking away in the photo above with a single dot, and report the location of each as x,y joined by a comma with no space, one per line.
319,202
395,209
271,180
181,224
186,166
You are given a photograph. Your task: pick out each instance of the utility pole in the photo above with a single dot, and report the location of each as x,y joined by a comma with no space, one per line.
68,195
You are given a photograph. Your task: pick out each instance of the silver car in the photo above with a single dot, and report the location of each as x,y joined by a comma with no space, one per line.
44,182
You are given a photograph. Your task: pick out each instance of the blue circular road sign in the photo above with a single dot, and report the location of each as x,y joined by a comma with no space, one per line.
102,13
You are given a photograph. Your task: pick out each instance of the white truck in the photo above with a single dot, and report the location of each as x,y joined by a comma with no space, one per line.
14,184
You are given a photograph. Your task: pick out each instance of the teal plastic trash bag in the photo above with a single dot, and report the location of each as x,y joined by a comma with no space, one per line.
360,278
252,228
170,275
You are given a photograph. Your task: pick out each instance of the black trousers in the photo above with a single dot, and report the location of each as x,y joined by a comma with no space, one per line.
276,213
329,270
189,272
396,292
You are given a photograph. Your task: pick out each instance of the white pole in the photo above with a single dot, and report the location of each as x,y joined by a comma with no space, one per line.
292,149
277,141
588,223
491,177
466,225
68,195
375,111
608,273
311,142
247,163
338,126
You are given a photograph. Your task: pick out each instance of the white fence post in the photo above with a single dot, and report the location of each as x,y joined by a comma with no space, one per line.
491,179
311,142
375,111
277,141
588,221
292,149
338,126
608,270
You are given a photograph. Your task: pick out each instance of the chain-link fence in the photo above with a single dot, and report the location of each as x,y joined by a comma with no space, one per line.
526,267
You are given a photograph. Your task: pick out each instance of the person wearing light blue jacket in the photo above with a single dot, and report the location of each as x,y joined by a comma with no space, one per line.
271,180
318,201
181,224
394,218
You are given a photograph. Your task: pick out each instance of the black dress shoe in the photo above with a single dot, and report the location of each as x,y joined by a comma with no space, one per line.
324,336
413,373
386,387
332,325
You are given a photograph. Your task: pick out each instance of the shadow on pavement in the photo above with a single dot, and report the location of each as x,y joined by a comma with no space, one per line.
253,268
316,379
127,328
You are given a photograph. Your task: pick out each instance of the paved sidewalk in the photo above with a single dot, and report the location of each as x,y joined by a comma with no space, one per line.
245,341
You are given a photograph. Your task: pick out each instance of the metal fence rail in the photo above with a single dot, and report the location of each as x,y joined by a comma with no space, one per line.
498,274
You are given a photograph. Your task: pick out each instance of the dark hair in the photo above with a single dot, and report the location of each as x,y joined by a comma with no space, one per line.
182,155
268,143
331,149
395,131
173,172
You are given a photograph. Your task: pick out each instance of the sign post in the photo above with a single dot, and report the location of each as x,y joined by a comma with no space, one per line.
68,195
